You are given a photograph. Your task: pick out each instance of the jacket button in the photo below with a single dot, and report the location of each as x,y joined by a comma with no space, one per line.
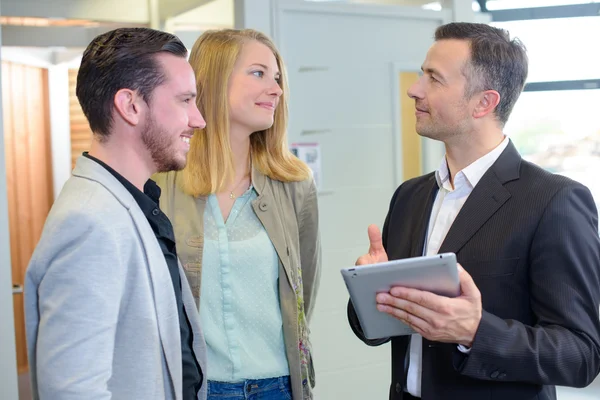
263,206
494,374
398,388
155,212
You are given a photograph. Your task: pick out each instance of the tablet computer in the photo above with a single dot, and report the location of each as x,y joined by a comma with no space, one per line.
437,274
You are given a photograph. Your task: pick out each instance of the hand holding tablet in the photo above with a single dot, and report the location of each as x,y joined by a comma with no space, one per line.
437,274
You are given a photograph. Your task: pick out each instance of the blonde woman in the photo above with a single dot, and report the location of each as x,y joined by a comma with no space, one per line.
245,217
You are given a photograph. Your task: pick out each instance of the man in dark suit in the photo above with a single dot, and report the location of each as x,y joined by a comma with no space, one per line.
527,241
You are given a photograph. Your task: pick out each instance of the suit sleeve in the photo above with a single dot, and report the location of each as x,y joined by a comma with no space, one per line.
563,347
352,317
310,249
79,275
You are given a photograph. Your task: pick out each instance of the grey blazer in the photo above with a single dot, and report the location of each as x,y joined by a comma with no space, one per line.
289,213
100,310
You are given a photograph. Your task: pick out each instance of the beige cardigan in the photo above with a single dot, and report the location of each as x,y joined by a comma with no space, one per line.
289,213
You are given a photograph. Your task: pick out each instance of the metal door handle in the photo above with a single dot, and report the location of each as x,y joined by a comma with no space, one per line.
17,289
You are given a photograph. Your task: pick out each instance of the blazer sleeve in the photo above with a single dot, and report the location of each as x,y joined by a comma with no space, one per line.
74,286
563,347
310,248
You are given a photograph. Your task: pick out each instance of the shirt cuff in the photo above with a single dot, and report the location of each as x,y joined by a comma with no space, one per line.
464,349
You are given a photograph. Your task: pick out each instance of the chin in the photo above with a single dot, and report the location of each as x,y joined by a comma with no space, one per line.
175,164
263,125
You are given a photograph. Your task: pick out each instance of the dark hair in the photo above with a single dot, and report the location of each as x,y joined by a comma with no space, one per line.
121,58
497,62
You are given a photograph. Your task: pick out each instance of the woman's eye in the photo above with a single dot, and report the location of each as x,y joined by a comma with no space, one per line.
258,74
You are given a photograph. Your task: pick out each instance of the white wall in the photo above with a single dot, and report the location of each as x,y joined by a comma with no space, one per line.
60,127
342,96
8,355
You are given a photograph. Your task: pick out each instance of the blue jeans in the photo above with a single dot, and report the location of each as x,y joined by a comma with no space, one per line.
251,389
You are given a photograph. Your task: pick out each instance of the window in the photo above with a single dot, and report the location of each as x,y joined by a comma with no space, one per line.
559,49
560,131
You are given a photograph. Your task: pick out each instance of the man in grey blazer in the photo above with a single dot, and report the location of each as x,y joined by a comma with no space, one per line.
109,314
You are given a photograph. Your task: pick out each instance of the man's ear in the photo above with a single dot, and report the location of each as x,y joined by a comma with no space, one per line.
128,104
488,101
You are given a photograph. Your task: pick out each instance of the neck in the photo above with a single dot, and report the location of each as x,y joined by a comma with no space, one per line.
124,159
462,151
240,147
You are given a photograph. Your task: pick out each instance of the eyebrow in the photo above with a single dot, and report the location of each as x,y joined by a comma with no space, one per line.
188,94
433,71
265,67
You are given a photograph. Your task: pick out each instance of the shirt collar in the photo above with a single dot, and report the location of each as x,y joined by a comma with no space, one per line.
146,200
473,173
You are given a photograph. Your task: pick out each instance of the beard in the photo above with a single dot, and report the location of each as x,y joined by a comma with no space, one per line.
163,147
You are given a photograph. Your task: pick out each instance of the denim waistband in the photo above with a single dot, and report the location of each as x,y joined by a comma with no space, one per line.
248,386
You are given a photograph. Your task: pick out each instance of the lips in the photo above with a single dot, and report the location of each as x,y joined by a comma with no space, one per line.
186,136
266,104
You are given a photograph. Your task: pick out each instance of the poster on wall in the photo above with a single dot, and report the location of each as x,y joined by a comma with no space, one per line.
310,153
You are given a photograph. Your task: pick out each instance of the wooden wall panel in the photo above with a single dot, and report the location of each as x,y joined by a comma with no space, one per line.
81,134
28,173
411,142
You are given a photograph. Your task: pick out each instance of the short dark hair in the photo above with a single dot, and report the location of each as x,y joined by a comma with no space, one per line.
497,62
121,58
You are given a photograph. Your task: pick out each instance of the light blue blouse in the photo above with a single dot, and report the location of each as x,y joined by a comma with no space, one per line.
239,300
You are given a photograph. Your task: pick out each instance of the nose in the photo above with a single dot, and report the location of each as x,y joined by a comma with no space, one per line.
196,120
415,91
276,90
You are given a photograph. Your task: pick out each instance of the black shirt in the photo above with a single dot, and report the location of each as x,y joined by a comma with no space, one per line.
148,202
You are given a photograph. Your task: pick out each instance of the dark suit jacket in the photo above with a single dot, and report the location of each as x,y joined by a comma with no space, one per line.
529,239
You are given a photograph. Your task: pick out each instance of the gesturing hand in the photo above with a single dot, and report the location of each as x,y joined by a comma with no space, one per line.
376,252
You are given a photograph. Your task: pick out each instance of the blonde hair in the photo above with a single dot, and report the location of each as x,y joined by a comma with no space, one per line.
210,164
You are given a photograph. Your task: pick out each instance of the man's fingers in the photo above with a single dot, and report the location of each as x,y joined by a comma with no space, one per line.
364,260
467,285
375,242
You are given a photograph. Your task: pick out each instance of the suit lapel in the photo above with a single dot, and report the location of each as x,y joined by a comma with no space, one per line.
164,300
425,196
486,198
199,343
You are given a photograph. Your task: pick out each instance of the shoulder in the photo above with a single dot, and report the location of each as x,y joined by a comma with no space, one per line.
416,183
301,191
88,205
412,186
83,199
86,222
545,184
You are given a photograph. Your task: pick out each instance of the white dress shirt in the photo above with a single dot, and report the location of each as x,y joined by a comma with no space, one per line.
446,207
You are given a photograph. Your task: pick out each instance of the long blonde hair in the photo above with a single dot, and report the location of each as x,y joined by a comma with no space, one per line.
210,164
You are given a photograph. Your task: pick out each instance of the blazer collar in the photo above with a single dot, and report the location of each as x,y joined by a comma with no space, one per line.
89,169
486,198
